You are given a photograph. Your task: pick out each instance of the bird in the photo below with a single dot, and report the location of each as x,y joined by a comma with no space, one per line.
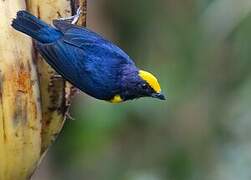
88,61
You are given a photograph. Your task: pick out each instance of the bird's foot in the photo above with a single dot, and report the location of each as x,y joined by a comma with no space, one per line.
56,76
74,19
68,116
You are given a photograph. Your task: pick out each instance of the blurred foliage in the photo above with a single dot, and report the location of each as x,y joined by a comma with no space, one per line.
201,132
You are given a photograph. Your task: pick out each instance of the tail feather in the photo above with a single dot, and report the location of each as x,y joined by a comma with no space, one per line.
34,27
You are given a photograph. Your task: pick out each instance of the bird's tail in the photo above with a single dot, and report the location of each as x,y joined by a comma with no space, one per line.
34,27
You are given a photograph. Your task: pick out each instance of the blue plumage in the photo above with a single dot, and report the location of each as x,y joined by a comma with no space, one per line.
91,63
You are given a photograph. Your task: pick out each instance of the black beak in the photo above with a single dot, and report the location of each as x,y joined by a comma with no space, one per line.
159,96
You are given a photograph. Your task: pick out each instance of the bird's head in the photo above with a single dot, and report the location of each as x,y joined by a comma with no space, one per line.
149,85
138,84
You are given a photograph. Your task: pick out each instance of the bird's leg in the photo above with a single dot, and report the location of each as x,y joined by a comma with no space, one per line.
68,115
74,19
70,96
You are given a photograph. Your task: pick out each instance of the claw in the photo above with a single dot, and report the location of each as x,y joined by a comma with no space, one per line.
56,76
74,19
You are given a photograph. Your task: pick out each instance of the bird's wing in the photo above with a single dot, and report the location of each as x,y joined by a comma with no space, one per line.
91,42
84,69
63,59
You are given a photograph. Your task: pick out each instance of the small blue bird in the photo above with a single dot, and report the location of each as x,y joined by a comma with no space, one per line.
88,61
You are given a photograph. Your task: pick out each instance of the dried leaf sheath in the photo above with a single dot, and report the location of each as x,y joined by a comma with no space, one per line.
20,110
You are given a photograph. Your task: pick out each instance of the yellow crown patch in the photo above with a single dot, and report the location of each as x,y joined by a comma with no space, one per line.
151,80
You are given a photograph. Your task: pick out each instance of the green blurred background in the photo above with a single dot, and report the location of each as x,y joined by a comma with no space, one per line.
201,52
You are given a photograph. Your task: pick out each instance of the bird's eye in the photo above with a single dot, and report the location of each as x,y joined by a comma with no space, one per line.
144,86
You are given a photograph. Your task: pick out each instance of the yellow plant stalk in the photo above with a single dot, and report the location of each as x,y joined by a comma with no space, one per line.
52,89
32,100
